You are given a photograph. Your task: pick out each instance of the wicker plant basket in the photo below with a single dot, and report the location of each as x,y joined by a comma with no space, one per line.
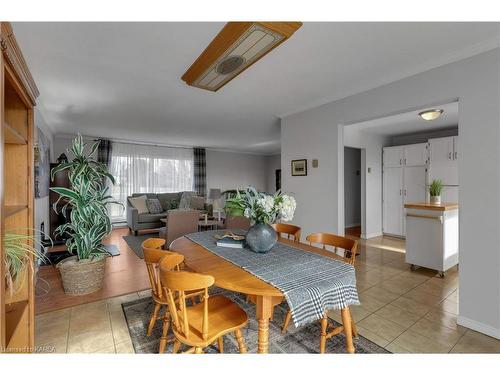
82,276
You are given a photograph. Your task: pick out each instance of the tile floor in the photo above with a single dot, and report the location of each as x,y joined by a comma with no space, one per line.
401,310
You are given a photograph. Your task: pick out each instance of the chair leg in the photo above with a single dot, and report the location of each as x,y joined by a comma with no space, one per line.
154,317
220,344
163,339
177,346
287,321
346,322
354,328
241,342
198,350
322,340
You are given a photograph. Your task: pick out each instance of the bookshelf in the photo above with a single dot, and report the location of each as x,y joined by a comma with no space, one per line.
18,94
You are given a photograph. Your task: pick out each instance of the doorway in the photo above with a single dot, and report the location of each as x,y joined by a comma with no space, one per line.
352,191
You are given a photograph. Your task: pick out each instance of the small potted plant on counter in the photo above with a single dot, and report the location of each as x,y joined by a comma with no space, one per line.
88,199
435,189
262,209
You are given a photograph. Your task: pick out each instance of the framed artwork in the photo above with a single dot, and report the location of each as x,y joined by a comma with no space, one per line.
42,164
299,167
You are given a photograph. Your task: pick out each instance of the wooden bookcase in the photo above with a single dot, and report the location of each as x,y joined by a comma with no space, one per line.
18,94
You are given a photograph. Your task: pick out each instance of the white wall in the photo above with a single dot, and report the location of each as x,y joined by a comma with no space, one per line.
318,133
41,209
352,187
273,162
231,170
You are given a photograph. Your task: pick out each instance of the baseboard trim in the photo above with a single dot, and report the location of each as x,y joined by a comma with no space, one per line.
353,225
370,235
478,326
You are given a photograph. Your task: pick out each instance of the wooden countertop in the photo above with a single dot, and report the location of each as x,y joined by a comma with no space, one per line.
445,206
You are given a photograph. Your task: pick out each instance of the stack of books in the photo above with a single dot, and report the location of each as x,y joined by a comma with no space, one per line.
231,240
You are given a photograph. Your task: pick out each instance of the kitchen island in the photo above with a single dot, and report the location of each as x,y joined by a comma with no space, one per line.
432,235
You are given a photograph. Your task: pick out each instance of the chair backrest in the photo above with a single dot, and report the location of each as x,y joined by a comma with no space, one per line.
180,223
327,239
237,222
151,248
288,229
177,285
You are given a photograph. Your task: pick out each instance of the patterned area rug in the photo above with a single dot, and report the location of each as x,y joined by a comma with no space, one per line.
135,242
296,340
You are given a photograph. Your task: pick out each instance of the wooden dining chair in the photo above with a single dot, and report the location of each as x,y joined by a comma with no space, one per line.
237,222
200,325
348,247
153,253
288,229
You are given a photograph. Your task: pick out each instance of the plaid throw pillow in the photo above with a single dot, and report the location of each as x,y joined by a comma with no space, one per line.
154,206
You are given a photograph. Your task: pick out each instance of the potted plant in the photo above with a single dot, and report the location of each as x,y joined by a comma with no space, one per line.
435,189
88,199
21,251
262,209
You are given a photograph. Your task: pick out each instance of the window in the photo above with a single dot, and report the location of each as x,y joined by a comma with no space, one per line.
148,169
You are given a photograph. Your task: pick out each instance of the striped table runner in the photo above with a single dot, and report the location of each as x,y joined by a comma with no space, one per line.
311,283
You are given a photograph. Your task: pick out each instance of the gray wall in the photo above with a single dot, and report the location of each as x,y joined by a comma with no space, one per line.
421,137
318,133
352,187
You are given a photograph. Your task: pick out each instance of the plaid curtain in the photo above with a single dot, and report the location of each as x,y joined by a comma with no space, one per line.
200,171
104,152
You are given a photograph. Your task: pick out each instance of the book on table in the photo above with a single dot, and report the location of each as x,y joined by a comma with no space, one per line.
231,242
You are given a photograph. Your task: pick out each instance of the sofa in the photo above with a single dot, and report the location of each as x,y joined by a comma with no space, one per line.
169,201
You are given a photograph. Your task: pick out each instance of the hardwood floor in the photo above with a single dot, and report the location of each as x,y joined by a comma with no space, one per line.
353,231
125,274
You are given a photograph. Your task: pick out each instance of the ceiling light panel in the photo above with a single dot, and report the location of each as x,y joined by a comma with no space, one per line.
237,46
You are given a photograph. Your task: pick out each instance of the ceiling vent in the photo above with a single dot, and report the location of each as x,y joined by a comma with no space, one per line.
237,46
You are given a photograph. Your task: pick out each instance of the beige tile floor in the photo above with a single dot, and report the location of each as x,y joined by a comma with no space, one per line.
401,310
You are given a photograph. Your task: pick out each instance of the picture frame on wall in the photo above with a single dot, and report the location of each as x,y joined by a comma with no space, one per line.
299,167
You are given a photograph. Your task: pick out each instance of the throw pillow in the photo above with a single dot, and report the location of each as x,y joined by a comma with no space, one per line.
154,206
169,200
186,199
140,204
197,203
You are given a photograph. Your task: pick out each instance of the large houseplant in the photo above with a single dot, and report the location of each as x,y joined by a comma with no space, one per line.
262,209
89,223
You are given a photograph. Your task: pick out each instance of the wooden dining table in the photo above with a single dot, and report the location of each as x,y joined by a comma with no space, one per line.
231,277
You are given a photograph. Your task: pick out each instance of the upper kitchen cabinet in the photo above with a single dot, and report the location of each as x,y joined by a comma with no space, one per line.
393,156
442,149
415,155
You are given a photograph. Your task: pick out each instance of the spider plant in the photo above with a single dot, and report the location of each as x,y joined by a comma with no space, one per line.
88,198
435,188
21,250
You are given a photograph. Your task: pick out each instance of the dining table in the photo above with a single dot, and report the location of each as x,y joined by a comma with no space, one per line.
233,278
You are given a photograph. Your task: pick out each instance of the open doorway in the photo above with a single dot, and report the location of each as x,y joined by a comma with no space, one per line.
352,191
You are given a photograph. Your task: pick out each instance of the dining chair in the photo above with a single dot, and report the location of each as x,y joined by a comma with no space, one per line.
179,223
288,229
200,325
237,222
153,253
348,247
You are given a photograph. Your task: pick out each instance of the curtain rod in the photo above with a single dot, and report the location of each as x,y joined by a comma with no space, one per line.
143,143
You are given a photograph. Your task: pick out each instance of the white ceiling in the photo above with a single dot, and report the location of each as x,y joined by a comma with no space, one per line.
122,80
410,122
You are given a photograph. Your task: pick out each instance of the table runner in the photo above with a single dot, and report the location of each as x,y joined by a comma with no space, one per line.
311,283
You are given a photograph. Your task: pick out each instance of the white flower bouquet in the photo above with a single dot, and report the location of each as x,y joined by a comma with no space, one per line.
262,208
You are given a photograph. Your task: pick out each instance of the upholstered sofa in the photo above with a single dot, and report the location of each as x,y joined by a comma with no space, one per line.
169,201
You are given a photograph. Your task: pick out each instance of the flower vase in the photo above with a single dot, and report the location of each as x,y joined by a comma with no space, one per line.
261,238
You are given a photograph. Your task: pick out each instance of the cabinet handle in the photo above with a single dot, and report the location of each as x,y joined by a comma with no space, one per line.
405,161
449,155
455,157
399,191
400,161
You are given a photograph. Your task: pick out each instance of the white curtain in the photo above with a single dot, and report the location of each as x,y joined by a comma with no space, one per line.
148,169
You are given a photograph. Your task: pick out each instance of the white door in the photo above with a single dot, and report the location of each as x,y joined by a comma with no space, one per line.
440,149
393,157
415,155
393,201
414,190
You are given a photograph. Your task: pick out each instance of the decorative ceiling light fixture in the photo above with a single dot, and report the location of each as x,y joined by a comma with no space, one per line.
431,114
237,46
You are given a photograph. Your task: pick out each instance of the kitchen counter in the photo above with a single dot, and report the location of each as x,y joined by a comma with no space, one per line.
432,235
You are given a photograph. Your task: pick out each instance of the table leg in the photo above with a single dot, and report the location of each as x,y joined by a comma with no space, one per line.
263,311
346,322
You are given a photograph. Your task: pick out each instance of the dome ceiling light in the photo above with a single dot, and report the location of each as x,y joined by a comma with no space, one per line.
237,46
431,114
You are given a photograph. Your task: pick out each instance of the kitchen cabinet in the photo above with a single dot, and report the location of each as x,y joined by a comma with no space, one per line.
415,155
393,157
443,161
393,201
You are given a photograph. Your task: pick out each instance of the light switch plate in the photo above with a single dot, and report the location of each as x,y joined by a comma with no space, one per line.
315,163
369,170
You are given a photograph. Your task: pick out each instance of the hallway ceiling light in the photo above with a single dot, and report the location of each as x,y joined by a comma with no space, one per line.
237,46
431,114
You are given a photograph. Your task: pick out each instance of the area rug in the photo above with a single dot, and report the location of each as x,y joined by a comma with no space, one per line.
297,340
134,242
